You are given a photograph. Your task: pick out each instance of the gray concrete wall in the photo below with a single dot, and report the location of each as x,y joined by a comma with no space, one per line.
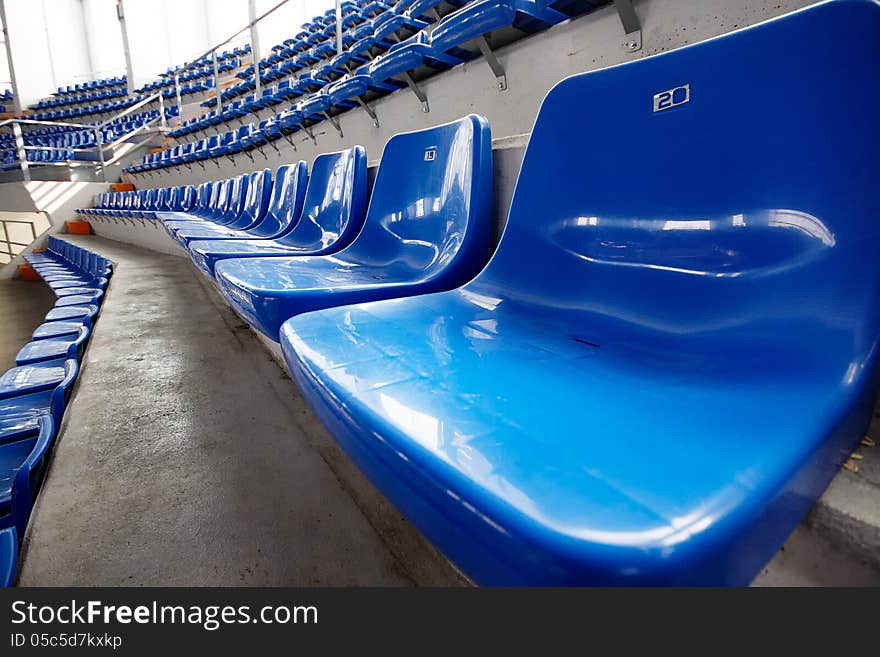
58,200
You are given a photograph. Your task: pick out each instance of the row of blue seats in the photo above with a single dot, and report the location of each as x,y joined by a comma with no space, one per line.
34,393
322,213
61,137
195,87
6,96
86,110
666,359
439,48
317,42
9,160
58,143
315,57
79,98
90,85
226,61
224,65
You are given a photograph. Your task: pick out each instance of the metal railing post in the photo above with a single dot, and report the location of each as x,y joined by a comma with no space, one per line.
6,239
338,27
99,143
162,121
255,46
22,153
177,92
217,82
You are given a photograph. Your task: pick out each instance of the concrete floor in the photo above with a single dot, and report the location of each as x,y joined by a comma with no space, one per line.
188,457
23,305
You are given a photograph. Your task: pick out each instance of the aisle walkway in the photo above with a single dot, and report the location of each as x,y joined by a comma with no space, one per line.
189,458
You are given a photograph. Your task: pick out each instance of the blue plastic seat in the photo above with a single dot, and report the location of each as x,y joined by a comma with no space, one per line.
37,377
22,465
53,348
253,206
213,208
24,399
652,380
228,213
68,313
331,215
478,18
428,228
8,556
81,299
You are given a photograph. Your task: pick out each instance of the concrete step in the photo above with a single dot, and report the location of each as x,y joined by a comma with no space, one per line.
848,514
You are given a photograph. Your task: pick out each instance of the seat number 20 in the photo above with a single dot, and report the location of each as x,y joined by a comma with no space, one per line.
672,98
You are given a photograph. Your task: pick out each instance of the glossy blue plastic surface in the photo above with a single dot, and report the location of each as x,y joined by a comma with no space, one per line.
478,18
36,377
428,228
22,408
52,349
675,345
66,313
8,556
285,210
255,204
235,215
332,215
22,464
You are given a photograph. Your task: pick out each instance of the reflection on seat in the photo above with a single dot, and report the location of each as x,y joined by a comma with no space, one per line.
654,377
427,228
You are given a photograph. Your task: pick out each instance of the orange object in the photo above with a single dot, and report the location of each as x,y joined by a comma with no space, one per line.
42,249
121,187
78,227
153,151
28,273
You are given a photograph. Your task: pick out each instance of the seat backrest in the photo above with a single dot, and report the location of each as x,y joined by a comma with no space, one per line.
335,202
164,199
430,211
729,190
186,198
285,207
235,199
213,196
256,200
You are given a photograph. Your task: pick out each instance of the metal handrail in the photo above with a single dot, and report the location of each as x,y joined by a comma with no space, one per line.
99,139
10,243
184,67
255,54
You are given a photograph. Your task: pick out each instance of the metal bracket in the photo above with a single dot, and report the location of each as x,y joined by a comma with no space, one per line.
334,123
249,156
262,152
631,25
417,90
311,134
289,140
272,144
494,64
368,110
